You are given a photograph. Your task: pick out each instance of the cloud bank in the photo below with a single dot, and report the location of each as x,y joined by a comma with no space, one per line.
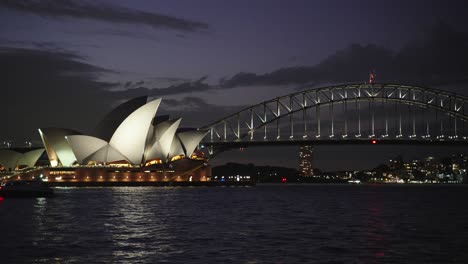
101,12
439,56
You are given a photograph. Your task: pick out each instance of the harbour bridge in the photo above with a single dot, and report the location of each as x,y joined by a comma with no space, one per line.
375,113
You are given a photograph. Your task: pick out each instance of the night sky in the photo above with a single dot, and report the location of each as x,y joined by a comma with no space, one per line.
67,63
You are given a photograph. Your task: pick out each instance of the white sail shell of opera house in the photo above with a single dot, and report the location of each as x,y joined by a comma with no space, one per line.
88,148
57,147
30,158
11,159
130,136
161,139
106,128
107,154
176,148
190,140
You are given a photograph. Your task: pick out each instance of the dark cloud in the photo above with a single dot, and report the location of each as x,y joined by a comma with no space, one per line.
21,61
348,65
195,111
127,85
188,102
170,79
182,88
43,88
290,75
439,56
48,88
114,32
132,85
61,47
101,12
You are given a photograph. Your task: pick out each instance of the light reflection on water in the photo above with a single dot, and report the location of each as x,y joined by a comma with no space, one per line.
270,223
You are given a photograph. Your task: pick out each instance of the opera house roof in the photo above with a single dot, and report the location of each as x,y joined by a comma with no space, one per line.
131,133
11,159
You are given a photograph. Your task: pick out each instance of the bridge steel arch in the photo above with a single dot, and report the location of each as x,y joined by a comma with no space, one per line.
240,128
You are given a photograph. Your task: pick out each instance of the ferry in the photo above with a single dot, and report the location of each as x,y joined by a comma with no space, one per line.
354,181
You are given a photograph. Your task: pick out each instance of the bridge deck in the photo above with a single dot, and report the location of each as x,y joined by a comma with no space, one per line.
361,141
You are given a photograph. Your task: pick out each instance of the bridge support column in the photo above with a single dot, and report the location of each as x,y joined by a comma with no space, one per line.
318,120
332,118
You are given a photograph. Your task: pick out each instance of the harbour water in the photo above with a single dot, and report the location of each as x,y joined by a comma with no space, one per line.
262,224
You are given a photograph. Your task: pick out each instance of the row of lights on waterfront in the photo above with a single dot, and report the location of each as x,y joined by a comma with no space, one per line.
59,178
237,177
100,177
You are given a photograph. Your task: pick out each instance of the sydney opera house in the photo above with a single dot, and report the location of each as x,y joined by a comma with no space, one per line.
130,145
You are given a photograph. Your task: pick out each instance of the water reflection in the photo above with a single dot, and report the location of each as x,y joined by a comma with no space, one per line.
376,227
134,225
286,224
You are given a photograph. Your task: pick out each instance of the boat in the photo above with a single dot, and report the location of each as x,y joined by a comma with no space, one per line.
354,181
26,188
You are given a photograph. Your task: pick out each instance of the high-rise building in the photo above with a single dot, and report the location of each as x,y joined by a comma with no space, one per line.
306,168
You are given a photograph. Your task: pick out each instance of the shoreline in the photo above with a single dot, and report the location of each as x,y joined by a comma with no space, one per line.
150,184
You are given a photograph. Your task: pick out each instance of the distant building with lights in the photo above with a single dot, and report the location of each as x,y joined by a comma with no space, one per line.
306,168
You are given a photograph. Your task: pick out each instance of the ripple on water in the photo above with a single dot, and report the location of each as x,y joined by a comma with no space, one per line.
264,224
